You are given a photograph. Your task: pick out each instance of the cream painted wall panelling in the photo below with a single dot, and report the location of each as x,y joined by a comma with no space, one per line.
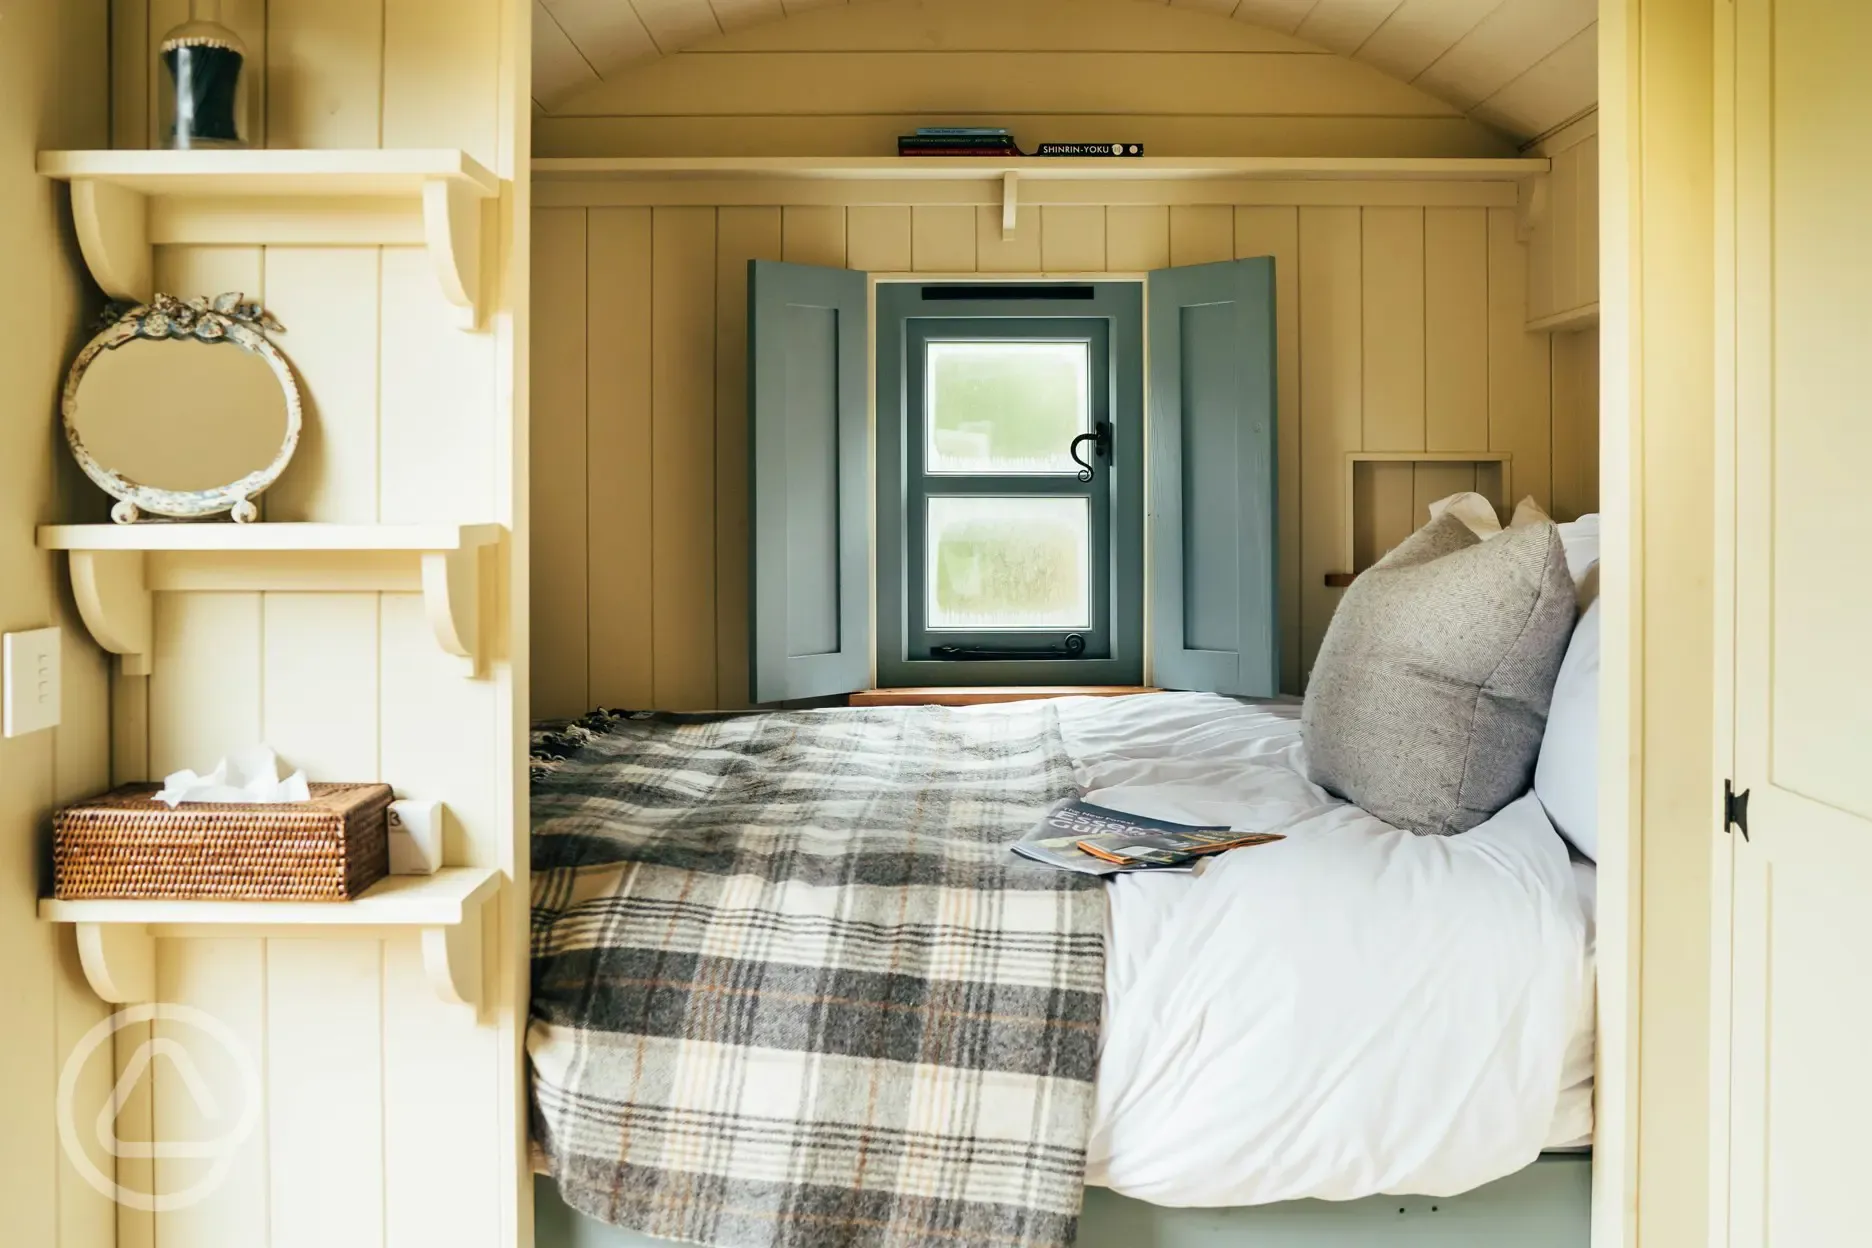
337,73
1561,212
53,62
1401,329
1522,66
846,80
372,1086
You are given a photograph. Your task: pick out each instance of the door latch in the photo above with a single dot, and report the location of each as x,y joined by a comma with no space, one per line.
1735,809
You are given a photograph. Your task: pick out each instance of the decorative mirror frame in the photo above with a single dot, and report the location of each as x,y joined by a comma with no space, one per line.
224,320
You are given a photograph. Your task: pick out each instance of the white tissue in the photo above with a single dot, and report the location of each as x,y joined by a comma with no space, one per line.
249,775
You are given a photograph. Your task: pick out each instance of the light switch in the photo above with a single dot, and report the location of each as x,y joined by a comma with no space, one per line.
29,680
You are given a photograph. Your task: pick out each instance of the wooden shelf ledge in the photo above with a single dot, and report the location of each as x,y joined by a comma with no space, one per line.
116,939
1043,168
1012,183
116,568
124,203
980,695
1586,316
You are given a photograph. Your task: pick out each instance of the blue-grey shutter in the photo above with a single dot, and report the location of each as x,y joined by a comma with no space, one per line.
1212,478
809,458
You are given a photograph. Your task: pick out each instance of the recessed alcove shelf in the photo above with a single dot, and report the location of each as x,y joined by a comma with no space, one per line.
115,568
124,203
116,939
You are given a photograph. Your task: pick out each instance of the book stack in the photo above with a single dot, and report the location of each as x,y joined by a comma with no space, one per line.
957,141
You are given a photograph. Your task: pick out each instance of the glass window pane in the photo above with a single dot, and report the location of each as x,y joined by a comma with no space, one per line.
1007,563
1005,407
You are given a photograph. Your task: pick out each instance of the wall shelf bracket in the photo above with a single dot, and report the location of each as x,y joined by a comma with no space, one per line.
1010,203
1531,205
119,961
115,603
451,583
452,230
113,234
452,961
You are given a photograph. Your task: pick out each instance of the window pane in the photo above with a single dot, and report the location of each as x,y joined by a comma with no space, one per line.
1003,563
1006,407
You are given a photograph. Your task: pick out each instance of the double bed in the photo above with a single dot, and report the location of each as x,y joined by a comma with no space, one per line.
1351,1011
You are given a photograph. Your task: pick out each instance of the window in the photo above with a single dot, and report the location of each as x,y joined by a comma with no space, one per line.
994,562
1000,560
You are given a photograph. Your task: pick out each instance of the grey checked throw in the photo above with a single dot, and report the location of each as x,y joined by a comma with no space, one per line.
791,989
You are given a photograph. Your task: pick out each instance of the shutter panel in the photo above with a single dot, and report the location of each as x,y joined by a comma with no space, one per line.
1212,478
809,464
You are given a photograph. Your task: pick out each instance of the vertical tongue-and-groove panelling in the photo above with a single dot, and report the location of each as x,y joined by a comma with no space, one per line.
387,1116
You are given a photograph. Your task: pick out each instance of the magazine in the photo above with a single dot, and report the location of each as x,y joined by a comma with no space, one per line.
1097,840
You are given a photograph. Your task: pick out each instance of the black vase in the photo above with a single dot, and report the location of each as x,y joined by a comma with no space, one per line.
205,104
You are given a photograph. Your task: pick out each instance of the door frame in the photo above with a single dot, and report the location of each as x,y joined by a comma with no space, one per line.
1660,833
1726,346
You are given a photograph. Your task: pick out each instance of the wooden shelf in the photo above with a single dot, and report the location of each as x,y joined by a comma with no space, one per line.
1585,316
1010,183
446,899
366,172
116,939
115,568
215,535
1041,168
124,203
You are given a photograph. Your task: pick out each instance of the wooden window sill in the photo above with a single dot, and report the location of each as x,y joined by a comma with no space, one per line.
978,695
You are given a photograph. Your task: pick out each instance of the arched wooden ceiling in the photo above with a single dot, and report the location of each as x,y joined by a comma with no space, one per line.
1522,66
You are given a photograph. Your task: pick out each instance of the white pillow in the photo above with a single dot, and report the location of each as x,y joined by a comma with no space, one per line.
1566,777
1581,539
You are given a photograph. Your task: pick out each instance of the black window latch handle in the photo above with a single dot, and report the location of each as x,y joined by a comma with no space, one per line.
1101,440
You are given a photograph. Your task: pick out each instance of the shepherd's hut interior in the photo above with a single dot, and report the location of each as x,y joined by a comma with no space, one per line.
914,623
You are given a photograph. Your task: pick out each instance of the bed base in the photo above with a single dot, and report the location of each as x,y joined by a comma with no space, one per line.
1546,1205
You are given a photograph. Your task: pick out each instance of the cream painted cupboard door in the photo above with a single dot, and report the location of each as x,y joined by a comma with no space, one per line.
1800,1083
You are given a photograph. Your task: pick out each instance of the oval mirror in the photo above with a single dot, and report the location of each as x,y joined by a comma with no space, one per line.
183,410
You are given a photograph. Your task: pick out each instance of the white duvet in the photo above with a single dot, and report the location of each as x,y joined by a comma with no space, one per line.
1349,1011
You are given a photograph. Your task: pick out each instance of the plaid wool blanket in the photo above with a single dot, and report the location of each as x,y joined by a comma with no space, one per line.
791,989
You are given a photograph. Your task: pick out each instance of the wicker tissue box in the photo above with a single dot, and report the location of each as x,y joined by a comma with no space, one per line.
125,845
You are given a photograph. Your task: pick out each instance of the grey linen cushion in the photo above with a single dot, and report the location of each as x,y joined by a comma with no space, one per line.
1430,692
